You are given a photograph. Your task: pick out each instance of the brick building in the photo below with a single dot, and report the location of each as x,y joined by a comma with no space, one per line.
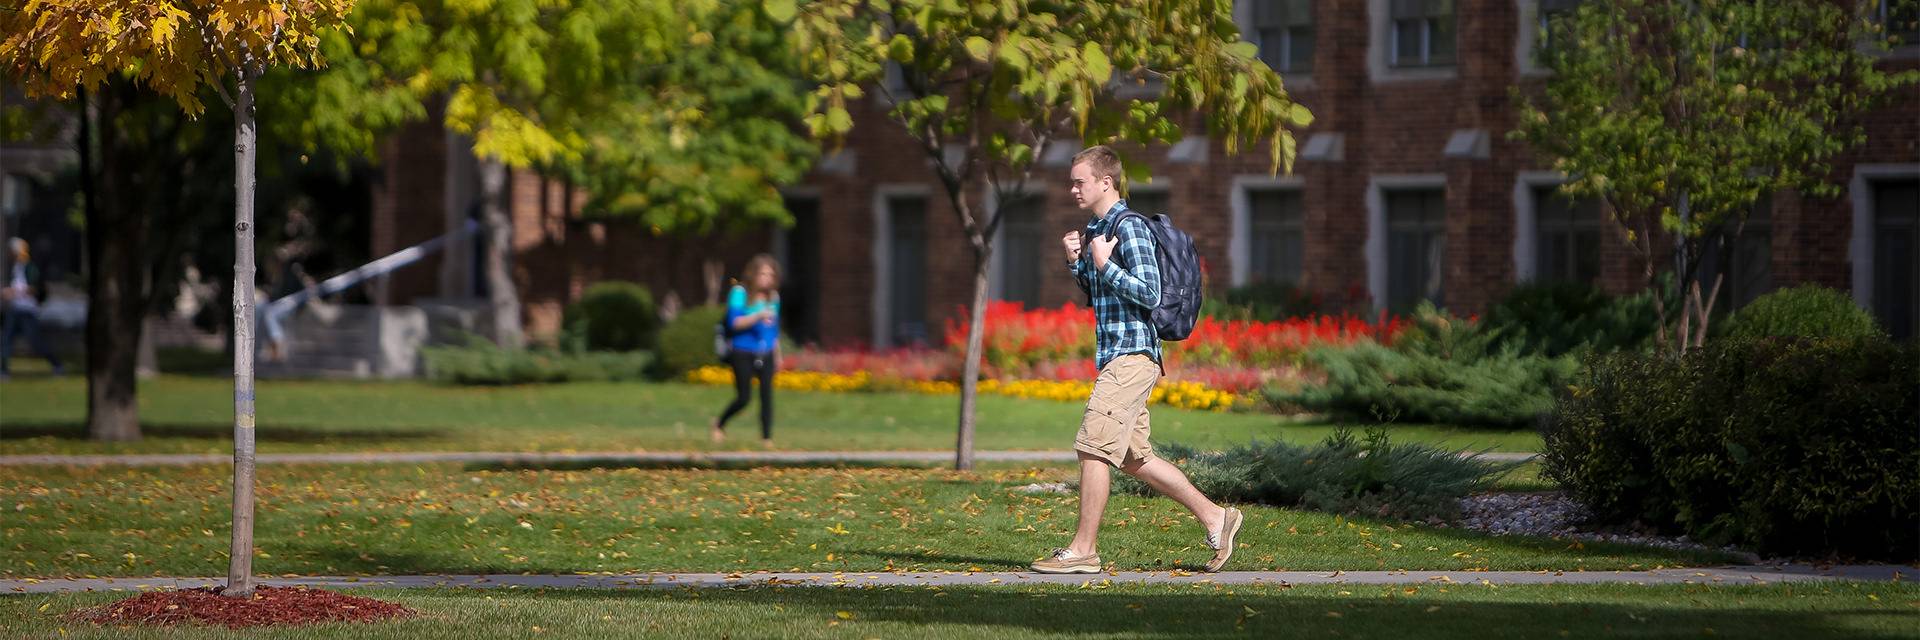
1406,188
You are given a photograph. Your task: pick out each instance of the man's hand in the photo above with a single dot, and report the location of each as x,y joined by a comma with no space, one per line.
1071,242
1103,249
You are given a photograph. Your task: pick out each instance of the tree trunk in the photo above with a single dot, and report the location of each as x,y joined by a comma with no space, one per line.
115,300
970,371
240,561
499,226
1683,276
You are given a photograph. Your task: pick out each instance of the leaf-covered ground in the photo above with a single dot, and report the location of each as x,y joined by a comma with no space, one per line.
404,519
183,414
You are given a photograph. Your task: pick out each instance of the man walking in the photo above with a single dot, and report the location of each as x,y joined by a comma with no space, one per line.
1121,274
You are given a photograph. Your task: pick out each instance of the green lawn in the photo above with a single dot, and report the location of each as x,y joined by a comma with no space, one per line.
445,518
182,414
1802,612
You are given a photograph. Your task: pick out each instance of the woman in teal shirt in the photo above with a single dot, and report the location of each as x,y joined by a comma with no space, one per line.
753,322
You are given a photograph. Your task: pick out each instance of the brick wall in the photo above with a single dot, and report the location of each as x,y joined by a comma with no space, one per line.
1390,128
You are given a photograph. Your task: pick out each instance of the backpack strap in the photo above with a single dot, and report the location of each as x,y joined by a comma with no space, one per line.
1114,228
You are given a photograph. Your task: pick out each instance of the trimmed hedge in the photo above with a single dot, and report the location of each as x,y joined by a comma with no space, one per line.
1784,446
1560,319
686,343
612,316
1809,311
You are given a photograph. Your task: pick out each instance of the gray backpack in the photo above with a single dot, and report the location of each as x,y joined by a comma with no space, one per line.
1180,278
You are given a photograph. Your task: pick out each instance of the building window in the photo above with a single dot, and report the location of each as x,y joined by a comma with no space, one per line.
799,253
1284,31
1416,247
1555,24
1150,201
1896,255
1567,238
1275,235
907,259
1023,239
1421,33
1749,259
14,191
1901,20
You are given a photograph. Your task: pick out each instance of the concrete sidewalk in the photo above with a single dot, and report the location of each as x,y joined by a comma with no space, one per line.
603,457
1720,575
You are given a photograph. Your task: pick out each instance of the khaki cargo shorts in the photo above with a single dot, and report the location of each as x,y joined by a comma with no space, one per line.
1115,428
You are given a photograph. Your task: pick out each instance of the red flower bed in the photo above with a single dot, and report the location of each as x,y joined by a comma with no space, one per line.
1057,344
267,606
1017,338
896,364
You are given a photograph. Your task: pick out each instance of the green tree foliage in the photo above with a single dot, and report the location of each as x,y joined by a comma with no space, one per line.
1680,115
985,87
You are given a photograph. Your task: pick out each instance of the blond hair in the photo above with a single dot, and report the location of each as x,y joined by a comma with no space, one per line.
1103,160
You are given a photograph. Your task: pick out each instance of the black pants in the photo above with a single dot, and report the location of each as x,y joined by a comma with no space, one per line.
24,323
747,367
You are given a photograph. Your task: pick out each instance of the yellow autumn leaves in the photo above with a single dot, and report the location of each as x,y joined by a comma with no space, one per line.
1184,395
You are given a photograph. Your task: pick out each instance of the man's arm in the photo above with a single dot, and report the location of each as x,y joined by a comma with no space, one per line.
1081,275
1140,283
1076,265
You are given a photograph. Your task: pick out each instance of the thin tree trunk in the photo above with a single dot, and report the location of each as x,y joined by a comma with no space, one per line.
500,289
1683,275
970,372
240,561
114,298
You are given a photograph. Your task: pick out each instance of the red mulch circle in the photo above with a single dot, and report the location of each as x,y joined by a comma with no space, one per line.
267,607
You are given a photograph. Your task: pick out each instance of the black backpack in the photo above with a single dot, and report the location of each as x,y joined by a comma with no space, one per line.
1180,283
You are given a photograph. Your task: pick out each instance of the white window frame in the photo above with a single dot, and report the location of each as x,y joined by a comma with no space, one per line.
1860,250
1240,242
1243,16
996,264
1380,49
1376,246
1526,221
883,255
16,194
1906,51
1525,61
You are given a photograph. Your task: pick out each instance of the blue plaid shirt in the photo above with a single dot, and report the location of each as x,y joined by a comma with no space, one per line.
1125,292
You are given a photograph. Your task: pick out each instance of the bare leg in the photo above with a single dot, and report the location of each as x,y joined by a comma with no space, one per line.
1095,483
1173,483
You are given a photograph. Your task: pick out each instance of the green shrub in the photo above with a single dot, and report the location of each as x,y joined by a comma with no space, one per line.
686,343
1272,301
1441,369
1365,381
482,363
1784,446
1559,319
612,316
1345,474
1808,310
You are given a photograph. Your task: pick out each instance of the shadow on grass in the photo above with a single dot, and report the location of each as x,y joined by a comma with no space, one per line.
1586,549
73,430
692,463
1465,612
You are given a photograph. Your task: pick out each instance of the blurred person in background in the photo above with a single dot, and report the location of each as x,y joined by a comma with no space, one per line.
753,326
